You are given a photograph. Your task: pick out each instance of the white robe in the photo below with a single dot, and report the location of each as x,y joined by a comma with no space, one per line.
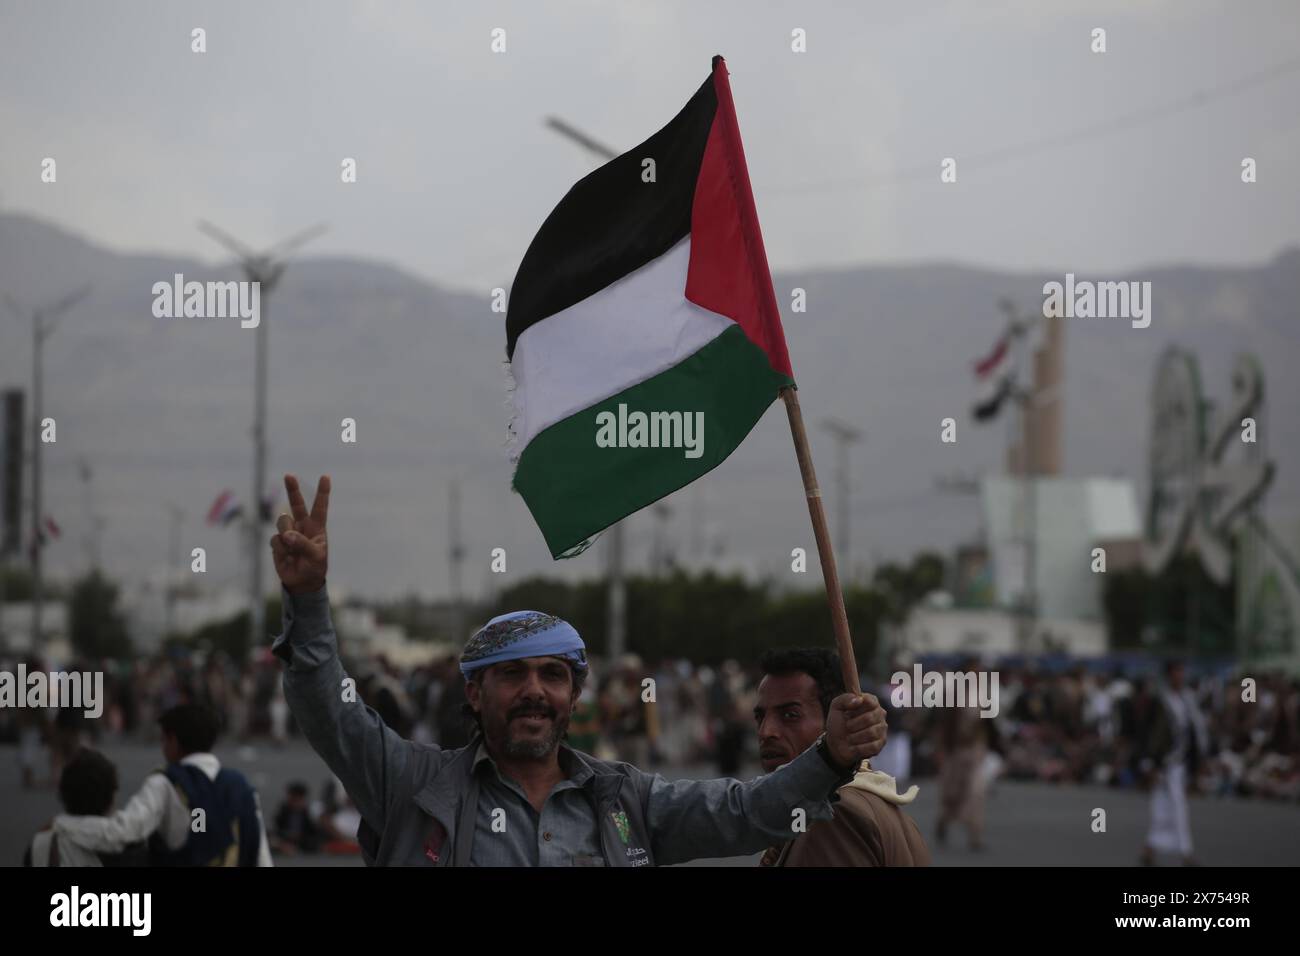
1171,827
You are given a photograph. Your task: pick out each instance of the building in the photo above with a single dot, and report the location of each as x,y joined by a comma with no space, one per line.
1039,552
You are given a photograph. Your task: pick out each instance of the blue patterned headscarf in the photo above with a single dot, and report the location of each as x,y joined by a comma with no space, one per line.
521,634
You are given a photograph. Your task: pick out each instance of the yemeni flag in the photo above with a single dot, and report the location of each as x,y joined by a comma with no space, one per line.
225,509
643,334
987,408
995,360
996,374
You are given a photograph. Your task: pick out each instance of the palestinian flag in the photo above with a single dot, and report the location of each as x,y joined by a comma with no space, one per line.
643,334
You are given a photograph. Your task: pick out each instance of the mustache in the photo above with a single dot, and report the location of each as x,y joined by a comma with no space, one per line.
528,709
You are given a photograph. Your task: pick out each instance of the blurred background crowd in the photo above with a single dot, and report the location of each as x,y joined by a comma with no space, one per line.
1059,722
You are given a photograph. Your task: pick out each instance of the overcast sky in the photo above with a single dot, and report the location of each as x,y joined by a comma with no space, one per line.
456,170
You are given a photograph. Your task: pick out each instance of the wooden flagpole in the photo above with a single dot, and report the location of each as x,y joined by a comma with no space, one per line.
839,618
762,276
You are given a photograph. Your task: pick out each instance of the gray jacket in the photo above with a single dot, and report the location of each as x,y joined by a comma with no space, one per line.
419,803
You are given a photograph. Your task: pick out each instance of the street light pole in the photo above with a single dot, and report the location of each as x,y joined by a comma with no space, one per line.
456,558
617,601
1025,396
43,322
169,583
38,344
265,269
844,435
257,622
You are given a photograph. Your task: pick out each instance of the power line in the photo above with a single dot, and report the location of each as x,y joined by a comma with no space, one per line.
992,157
1029,147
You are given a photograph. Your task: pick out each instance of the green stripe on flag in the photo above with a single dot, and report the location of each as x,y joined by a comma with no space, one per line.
575,488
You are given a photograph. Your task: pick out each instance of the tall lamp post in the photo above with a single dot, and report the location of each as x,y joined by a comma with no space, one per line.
44,319
617,620
844,435
265,268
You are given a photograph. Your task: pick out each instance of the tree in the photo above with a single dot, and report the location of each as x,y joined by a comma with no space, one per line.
97,629
229,636
708,617
17,583
1183,607
902,587
1125,598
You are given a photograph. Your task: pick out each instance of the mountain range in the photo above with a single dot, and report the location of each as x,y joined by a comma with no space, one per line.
161,409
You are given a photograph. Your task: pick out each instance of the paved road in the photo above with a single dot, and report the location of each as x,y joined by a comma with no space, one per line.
1028,824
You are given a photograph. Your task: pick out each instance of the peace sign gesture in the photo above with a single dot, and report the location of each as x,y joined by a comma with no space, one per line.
300,549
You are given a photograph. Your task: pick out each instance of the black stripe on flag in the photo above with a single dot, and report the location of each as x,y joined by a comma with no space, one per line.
988,408
611,223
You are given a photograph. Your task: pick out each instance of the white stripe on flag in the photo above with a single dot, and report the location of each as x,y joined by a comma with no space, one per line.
626,333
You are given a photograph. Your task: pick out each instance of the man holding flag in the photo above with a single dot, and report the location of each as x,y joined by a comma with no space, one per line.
516,795
644,339
644,343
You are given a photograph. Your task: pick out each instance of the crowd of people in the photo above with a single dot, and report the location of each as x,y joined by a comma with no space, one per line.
1064,726
248,701
1068,725
1077,726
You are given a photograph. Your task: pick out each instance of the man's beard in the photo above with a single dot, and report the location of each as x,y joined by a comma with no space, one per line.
534,749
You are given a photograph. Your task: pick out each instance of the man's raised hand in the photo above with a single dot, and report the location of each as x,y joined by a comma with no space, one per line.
299,547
